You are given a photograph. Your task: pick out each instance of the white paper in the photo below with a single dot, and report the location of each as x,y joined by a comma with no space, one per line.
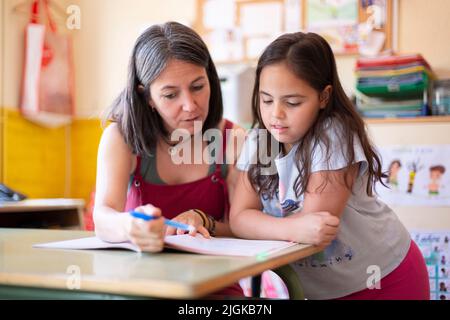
87,243
225,246
261,19
198,244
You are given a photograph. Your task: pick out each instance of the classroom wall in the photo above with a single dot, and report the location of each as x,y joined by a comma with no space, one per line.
95,58
39,161
424,26
96,37
102,47
34,159
104,43
61,162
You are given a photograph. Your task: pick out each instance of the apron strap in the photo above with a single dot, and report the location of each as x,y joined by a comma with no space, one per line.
218,173
138,165
222,155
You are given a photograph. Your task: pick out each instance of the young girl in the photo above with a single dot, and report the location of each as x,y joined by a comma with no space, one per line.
321,189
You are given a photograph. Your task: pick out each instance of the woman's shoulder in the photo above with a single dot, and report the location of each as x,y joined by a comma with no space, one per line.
112,131
112,136
113,144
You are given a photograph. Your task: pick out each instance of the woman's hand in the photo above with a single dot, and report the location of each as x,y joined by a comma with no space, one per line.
318,228
147,235
192,218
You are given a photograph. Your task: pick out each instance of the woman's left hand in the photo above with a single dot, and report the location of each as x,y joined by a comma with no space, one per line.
192,218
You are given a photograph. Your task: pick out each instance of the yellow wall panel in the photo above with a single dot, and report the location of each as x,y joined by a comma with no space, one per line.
50,163
2,120
34,158
84,140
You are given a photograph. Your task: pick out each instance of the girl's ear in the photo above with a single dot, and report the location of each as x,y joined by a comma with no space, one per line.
325,96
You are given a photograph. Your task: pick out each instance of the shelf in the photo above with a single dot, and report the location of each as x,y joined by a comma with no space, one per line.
428,119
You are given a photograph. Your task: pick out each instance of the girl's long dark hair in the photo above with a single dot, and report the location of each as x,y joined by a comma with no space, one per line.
310,57
140,126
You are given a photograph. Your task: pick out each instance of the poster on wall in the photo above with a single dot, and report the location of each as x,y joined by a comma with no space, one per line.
435,248
416,175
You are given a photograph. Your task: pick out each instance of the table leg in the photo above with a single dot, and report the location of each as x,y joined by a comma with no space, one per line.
292,282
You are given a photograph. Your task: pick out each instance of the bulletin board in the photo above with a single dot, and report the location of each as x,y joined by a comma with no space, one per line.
239,30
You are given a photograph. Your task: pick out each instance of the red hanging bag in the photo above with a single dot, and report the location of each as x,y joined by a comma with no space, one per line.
47,90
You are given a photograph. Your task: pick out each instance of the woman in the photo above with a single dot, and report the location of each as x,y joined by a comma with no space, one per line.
173,90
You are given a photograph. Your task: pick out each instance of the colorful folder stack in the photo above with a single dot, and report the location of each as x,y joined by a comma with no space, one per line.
394,86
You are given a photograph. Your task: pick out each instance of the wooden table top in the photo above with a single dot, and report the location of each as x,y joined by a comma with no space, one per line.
162,275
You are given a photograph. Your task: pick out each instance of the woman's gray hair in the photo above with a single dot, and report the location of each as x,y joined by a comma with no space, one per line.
153,49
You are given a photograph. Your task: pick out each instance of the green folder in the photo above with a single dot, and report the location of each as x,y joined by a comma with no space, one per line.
398,90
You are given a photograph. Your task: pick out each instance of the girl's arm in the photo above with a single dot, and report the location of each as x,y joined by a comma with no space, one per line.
246,218
327,195
317,227
332,196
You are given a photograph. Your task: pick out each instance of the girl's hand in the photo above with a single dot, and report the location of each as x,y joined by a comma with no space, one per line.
318,228
147,235
192,218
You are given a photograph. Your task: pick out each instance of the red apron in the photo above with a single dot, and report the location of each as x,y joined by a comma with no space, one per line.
209,194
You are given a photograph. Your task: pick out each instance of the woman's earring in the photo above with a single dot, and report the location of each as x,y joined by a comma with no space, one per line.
141,89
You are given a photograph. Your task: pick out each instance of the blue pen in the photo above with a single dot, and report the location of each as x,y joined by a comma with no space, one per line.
167,222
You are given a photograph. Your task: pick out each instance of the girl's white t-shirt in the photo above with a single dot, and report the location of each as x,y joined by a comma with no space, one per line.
371,238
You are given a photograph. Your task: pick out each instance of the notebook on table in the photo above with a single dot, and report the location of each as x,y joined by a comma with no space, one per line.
187,243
